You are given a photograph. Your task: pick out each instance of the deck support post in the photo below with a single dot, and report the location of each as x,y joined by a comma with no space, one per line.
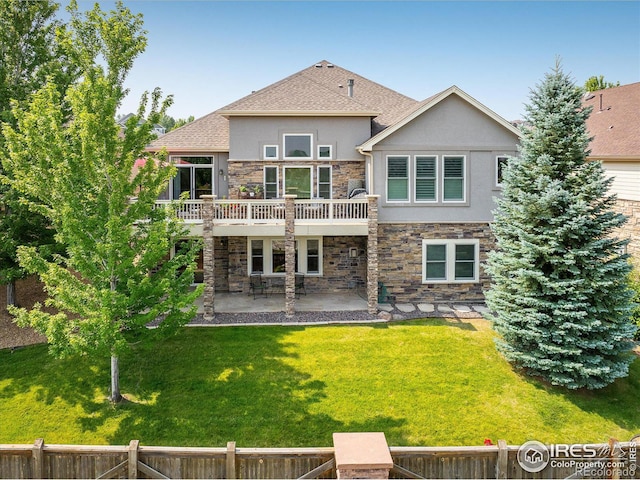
372,254
290,254
208,256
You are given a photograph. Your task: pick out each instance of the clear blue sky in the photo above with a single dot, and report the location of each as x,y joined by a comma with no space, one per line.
210,53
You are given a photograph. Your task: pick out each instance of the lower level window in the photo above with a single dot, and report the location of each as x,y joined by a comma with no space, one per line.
267,256
448,261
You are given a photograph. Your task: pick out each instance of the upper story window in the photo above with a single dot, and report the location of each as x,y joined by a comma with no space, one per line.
194,177
271,182
270,152
453,182
298,146
501,162
398,178
426,179
324,182
324,152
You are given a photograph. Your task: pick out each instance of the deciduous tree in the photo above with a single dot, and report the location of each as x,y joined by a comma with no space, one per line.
117,276
29,53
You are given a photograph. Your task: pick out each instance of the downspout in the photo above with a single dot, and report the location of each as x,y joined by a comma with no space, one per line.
368,170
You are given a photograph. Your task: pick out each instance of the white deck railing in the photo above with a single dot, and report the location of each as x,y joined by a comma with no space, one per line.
250,212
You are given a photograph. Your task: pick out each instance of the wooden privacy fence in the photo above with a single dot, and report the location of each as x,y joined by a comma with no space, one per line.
500,461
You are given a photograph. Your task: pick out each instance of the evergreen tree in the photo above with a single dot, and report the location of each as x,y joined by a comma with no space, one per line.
116,277
559,289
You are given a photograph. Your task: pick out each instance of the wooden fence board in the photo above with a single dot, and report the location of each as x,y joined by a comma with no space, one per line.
42,460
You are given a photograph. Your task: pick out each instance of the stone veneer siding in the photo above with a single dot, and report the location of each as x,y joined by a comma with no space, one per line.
243,172
400,261
340,272
631,229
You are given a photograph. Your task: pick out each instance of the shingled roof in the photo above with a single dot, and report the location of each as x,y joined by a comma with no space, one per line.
206,134
614,122
319,90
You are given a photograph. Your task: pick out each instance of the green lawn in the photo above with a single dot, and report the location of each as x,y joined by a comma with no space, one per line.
423,382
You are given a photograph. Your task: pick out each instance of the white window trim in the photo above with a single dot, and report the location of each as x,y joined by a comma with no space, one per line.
451,259
267,256
330,181
264,152
386,179
284,177
330,157
172,160
284,145
497,165
264,180
464,178
415,178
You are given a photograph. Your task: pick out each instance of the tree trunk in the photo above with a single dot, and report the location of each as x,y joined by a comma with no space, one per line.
11,293
115,380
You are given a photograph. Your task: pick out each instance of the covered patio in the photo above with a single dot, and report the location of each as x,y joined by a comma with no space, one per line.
275,302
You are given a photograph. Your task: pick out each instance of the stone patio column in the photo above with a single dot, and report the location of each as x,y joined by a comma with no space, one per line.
290,254
208,256
372,254
362,455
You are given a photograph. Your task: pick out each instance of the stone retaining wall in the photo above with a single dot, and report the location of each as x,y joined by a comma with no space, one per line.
400,261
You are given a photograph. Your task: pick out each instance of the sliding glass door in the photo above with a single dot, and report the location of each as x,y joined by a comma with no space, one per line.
194,176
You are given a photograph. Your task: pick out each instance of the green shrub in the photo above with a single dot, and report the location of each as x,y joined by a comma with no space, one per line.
634,282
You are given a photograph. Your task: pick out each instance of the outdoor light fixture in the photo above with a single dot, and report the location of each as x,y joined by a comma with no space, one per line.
353,252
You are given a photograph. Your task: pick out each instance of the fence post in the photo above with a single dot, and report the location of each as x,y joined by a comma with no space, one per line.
37,454
503,460
133,458
614,451
231,460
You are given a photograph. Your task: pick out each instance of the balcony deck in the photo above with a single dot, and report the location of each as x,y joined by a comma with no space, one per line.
314,216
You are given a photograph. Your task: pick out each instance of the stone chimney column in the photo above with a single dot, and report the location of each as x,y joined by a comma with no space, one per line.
208,256
290,254
372,254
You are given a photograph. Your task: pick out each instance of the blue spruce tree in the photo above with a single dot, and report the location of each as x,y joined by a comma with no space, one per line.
559,294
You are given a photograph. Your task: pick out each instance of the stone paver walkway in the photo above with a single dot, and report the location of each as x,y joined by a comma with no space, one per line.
386,313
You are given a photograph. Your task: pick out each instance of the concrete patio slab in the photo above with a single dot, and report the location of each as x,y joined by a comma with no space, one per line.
327,302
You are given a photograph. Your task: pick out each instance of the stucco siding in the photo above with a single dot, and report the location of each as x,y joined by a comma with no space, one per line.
452,123
250,134
453,127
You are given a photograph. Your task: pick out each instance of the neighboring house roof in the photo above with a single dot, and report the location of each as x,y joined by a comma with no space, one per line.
614,122
431,102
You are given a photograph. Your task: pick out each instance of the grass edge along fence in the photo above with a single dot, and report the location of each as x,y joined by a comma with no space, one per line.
500,461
